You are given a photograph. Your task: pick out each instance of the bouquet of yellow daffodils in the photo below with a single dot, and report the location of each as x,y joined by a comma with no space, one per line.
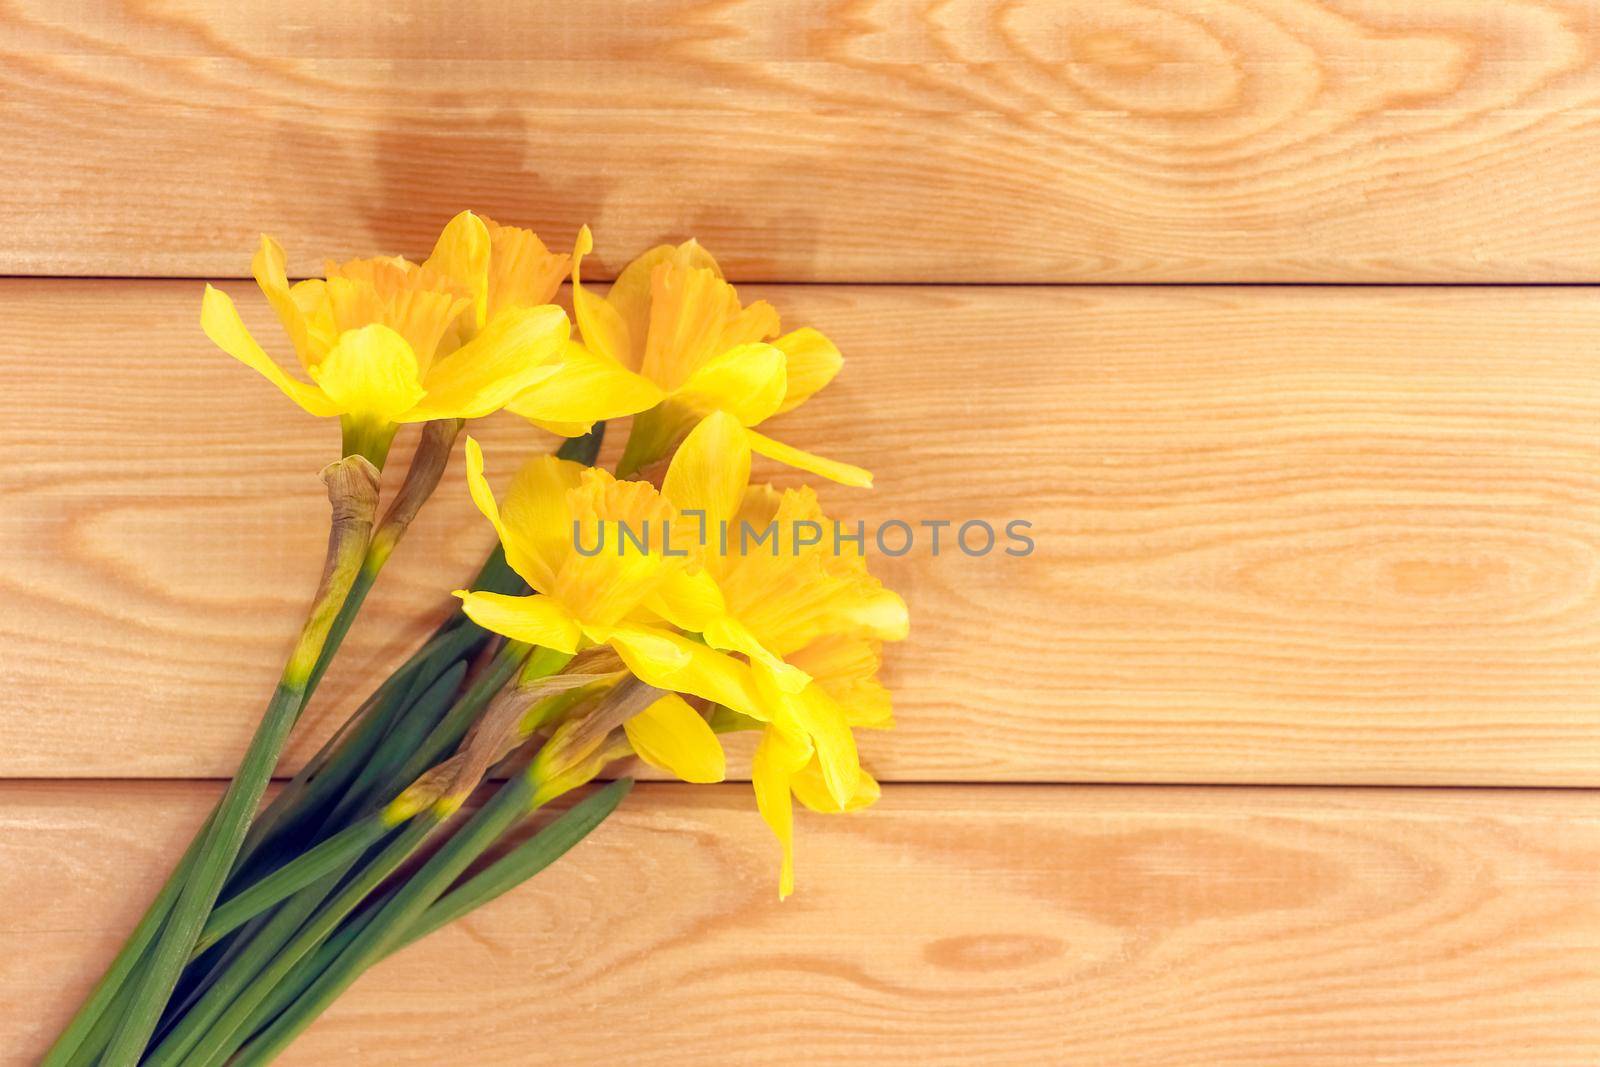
635,614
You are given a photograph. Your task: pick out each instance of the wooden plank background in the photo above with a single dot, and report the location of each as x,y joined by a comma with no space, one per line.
1053,925
1285,535
1336,536
1087,140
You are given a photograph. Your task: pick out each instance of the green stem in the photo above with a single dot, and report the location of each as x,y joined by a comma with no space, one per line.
402,911
521,863
379,778
343,621
421,705
353,493
512,869
409,730
204,880
105,991
317,782
303,973
84,1037
297,795
334,854
368,439
205,1030
307,795
331,770
294,830
385,780
88,1053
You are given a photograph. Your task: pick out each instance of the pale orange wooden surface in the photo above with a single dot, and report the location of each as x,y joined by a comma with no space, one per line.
1283,535
893,140
952,925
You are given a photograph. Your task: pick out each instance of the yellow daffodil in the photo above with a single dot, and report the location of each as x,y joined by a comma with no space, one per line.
676,329
620,594
802,611
520,273
386,341
843,669
827,616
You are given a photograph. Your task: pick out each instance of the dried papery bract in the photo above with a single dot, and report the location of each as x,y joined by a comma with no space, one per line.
352,484
428,465
508,722
581,747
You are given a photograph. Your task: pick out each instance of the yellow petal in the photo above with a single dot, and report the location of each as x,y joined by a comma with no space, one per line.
483,497
630,293
747,382
533,620
560,429
846,666
420,304
813,793
728,634
669,661
691,602
603,329
616,529
833,470
778,758
522,271
710,471
534,529
812,363
758,322
302,309
629,297
536,515
669,734
760,505
221,322
815,714
371,373
584,389
868,706
689,310
882,614
515,352
462,253
659,653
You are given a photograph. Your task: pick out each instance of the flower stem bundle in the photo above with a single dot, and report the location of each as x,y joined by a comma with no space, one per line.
584,643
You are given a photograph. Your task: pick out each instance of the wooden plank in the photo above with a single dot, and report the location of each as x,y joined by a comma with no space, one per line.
1093,140
950,925
1289,535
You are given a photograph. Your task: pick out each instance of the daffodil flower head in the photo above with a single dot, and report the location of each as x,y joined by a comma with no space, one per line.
386,341
593,549
781,588
810,618
673,323
827,616
554,508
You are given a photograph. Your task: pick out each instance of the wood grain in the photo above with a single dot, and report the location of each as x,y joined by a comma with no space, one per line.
950,925
890,140
1289,535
